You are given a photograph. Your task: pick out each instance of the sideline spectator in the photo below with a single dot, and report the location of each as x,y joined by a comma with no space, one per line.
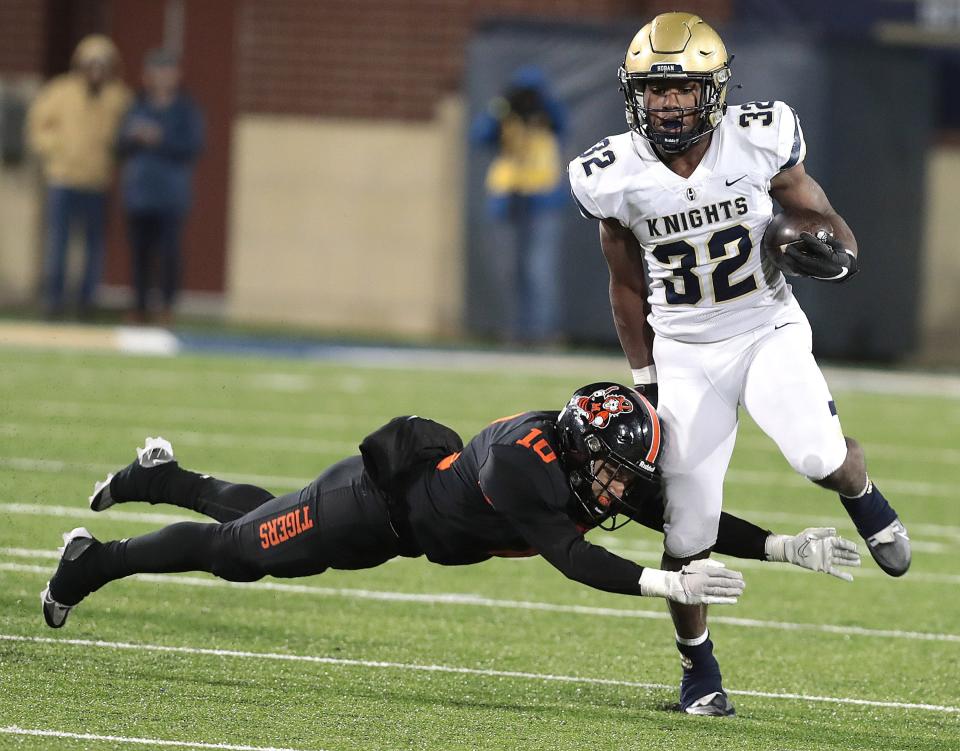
160,139
72,125
526,195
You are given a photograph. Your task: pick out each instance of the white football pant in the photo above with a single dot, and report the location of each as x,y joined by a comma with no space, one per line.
772,373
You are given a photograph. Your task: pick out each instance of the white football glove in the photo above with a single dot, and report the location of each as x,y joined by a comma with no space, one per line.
703,582
816,548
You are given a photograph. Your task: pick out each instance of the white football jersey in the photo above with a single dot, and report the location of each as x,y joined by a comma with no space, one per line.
700,235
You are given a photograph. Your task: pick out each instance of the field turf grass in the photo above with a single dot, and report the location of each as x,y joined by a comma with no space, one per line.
503,655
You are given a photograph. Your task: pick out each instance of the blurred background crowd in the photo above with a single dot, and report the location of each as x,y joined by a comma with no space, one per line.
397,169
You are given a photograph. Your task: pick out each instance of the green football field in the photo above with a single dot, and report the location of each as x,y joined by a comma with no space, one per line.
503,655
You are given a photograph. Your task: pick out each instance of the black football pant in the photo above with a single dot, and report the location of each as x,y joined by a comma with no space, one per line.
340,520
155,236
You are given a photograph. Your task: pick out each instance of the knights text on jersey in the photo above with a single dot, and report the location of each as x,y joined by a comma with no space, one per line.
700,235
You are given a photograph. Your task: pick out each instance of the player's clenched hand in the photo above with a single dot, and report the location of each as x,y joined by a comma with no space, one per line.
702,582
821,257
817,549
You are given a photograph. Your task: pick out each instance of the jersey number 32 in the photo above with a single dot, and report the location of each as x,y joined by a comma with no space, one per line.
685,288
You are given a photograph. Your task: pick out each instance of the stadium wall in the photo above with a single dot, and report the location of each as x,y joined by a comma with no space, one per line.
940,305
351,225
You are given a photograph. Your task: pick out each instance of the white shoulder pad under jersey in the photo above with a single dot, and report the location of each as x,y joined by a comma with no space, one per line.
700,235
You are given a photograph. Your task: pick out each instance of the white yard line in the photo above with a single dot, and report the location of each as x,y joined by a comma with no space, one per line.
80,512
510,364
246,439
230,415
640,553
640,547
910,488
610,541
155,742
55,466
840,522
925,454
341,661
472,600
780,478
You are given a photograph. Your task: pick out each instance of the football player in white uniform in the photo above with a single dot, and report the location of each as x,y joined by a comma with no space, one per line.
688,191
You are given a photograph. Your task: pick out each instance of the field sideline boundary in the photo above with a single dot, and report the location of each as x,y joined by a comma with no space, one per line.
44,733
485,672
162,342
473,600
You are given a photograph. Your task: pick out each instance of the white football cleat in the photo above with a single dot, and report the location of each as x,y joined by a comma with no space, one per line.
716,704
101,497
890,548
75,543
155,451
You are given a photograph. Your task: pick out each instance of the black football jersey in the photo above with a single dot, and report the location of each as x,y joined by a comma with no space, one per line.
507,494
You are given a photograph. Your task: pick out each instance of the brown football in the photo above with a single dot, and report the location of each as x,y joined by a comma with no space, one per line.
785,228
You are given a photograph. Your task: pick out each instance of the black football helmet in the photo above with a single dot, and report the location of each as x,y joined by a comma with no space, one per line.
608,425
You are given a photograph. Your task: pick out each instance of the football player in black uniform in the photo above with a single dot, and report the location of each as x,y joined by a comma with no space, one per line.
528,484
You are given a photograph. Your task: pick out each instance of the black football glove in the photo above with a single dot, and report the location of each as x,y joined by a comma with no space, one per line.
820,257
649,390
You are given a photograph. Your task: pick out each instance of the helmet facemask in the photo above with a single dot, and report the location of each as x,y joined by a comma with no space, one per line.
591,484
710,106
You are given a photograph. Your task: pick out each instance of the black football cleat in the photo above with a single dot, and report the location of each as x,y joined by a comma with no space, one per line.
890,548
131,482
75,543
716,704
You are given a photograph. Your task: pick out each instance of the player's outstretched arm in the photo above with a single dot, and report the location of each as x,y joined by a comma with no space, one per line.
816,548
702,582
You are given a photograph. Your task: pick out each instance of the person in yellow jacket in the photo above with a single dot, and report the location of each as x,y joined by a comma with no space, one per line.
72,126
526,192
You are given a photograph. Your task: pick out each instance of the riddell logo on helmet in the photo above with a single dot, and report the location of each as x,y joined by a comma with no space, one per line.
603,405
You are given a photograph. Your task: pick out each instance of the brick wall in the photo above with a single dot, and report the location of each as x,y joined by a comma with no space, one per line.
330,58
22,36
388,58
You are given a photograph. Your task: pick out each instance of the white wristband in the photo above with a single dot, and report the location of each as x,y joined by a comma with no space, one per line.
654,582
643,376
775,548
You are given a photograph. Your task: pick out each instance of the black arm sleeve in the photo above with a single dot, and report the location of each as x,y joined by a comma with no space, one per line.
735,536
522,487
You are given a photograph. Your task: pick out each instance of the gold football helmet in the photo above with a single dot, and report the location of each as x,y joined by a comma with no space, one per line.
676,46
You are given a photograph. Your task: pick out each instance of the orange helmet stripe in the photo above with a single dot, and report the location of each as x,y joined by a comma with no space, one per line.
655,423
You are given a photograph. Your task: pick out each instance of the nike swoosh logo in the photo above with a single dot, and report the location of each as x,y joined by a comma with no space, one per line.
781,325
731,182
802,550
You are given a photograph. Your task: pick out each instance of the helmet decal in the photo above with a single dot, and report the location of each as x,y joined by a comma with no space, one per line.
608,434
602,406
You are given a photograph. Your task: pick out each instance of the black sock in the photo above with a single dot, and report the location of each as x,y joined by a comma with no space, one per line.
701,671
185,546
869,511
223,501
